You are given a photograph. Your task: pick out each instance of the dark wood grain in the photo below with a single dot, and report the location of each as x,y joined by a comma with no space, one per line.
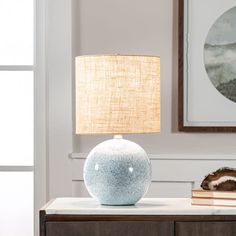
205,229
126,228
116,225
42,223
181,125
181,66
159,218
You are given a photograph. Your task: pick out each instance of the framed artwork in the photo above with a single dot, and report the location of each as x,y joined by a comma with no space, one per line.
207,65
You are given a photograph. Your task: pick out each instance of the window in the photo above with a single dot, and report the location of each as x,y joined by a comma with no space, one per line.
16,117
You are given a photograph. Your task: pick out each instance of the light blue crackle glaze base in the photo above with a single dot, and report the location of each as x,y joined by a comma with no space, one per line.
117,172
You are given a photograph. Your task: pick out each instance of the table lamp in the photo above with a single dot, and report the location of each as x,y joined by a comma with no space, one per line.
117,94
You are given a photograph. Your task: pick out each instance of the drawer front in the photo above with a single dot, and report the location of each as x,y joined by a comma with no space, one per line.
205,228
102,228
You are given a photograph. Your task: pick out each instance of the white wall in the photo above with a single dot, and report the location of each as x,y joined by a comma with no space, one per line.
149,27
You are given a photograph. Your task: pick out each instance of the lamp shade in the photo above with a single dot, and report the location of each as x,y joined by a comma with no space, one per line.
117,94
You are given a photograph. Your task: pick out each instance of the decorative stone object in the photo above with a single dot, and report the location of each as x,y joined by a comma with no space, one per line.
117,172
223,179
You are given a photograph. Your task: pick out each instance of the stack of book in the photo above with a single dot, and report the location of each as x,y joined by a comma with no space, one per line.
213,198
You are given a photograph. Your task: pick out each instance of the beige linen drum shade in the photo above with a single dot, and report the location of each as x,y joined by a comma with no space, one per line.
117,94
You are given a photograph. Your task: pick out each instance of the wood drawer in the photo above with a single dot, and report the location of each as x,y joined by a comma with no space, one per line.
205,228
103,228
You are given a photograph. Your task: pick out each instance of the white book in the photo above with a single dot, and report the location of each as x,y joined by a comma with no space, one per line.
200,193
213,202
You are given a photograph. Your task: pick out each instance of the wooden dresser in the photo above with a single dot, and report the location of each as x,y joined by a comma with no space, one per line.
150,217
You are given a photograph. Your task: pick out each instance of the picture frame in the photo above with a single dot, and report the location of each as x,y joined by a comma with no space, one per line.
205,98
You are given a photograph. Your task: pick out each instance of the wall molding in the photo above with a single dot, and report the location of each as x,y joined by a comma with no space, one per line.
165,157
17,168
173,175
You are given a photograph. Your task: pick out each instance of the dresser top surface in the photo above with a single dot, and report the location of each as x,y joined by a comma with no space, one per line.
146,206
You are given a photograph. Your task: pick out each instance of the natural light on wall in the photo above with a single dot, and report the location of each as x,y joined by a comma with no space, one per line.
16,117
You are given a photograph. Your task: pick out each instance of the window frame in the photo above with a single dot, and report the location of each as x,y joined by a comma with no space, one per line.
38,68
40,110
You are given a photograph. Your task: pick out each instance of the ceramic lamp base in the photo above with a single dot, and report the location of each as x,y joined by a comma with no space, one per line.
117,172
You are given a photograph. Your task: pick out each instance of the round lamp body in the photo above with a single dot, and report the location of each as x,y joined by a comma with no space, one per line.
117,172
